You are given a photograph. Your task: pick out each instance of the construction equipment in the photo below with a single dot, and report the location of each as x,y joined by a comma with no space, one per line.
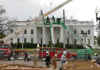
20,30
56,8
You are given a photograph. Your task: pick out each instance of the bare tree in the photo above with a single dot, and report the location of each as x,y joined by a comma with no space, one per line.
5,23
2,20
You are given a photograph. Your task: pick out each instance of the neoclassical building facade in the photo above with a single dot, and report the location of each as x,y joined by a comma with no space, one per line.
75,32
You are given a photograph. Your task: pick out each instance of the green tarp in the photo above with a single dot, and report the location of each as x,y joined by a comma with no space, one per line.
84,51
63,25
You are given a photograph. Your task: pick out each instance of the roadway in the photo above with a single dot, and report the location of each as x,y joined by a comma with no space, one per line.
29,63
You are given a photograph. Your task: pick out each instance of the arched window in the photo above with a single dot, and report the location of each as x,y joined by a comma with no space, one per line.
18,40
32,31
11,30
88,31
82,39
25,40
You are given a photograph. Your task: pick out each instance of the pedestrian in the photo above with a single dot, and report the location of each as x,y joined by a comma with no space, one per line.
89,57
98,60
48,60
62,61
12,55
54,62
25,56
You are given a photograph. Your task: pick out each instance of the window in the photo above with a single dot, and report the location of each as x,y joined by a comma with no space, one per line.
82,32
31,40
18,40
11,30
25,40
11,39
75,31
75,41
32,31
67,40
82,40
58,20
25,31
88,31
47,20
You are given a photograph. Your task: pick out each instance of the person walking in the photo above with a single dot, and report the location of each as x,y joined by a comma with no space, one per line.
63,60
11,55
48,60
25,56
54,62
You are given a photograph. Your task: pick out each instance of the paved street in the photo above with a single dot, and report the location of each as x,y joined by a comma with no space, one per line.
30,63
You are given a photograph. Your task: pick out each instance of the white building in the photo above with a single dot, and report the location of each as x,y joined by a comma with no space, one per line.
76,32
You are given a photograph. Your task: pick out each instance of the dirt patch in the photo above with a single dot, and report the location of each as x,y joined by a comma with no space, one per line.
81,65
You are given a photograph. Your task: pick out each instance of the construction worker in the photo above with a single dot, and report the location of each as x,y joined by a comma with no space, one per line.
98,60
63,60
26,56
48,60
54,62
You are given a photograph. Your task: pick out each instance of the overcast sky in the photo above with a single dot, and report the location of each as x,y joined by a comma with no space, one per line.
78,9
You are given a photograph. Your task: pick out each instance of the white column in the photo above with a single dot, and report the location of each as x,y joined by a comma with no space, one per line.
92,36
44,35
35,34
52,35
61,35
